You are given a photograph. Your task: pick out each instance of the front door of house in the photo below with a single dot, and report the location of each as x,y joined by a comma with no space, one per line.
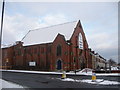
59,65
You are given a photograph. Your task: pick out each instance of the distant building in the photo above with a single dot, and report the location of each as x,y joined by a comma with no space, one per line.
59,47
98,62
93,59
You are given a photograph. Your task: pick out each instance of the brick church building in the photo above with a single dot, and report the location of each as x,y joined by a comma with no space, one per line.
54,48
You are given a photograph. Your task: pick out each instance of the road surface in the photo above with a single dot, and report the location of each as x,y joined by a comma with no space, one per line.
52,81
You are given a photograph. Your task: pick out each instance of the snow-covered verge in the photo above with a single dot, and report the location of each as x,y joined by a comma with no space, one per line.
114,68
82,72
102,82
25,71
98,81
108,74
6,84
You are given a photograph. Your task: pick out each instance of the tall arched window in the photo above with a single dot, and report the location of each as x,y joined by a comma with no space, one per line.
59,50
80,41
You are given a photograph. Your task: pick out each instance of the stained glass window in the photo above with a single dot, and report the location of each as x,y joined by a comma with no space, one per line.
80,41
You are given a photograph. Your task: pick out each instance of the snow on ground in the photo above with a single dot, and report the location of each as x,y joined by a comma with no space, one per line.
108,74
114,68
39,72
67,79
101,81
83,72
0,84
6,84
98,81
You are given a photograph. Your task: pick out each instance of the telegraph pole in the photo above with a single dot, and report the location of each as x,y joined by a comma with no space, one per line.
1,32
2,22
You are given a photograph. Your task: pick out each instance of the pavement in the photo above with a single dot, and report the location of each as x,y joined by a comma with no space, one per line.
30,80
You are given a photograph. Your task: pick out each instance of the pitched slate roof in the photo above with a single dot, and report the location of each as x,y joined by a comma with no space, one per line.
48,34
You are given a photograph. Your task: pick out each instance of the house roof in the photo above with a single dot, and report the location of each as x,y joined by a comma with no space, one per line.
48,34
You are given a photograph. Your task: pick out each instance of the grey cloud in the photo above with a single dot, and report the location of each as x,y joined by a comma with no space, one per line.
109,53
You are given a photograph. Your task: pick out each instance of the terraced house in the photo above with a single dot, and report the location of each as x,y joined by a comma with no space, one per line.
58,47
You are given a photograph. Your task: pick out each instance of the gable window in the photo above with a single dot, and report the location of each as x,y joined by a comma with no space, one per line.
80,41
59,51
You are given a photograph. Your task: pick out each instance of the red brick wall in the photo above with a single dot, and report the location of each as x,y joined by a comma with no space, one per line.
90,60
7,56
60,40
39,54
18,54
76,51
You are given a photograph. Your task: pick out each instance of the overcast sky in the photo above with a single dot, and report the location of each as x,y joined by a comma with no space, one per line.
99,21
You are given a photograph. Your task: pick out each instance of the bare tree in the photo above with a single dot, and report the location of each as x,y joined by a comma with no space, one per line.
119,64
111,63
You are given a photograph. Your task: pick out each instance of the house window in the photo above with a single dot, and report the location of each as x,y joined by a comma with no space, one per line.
80,41
59,51
66,53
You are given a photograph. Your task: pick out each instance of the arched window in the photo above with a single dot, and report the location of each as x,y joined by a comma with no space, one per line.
80,41
59,51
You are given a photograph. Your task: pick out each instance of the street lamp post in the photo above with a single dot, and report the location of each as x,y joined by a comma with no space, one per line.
2,22
1,32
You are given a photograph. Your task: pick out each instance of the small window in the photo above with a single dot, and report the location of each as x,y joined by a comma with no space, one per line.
80,52
71,53
74,59
66,53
